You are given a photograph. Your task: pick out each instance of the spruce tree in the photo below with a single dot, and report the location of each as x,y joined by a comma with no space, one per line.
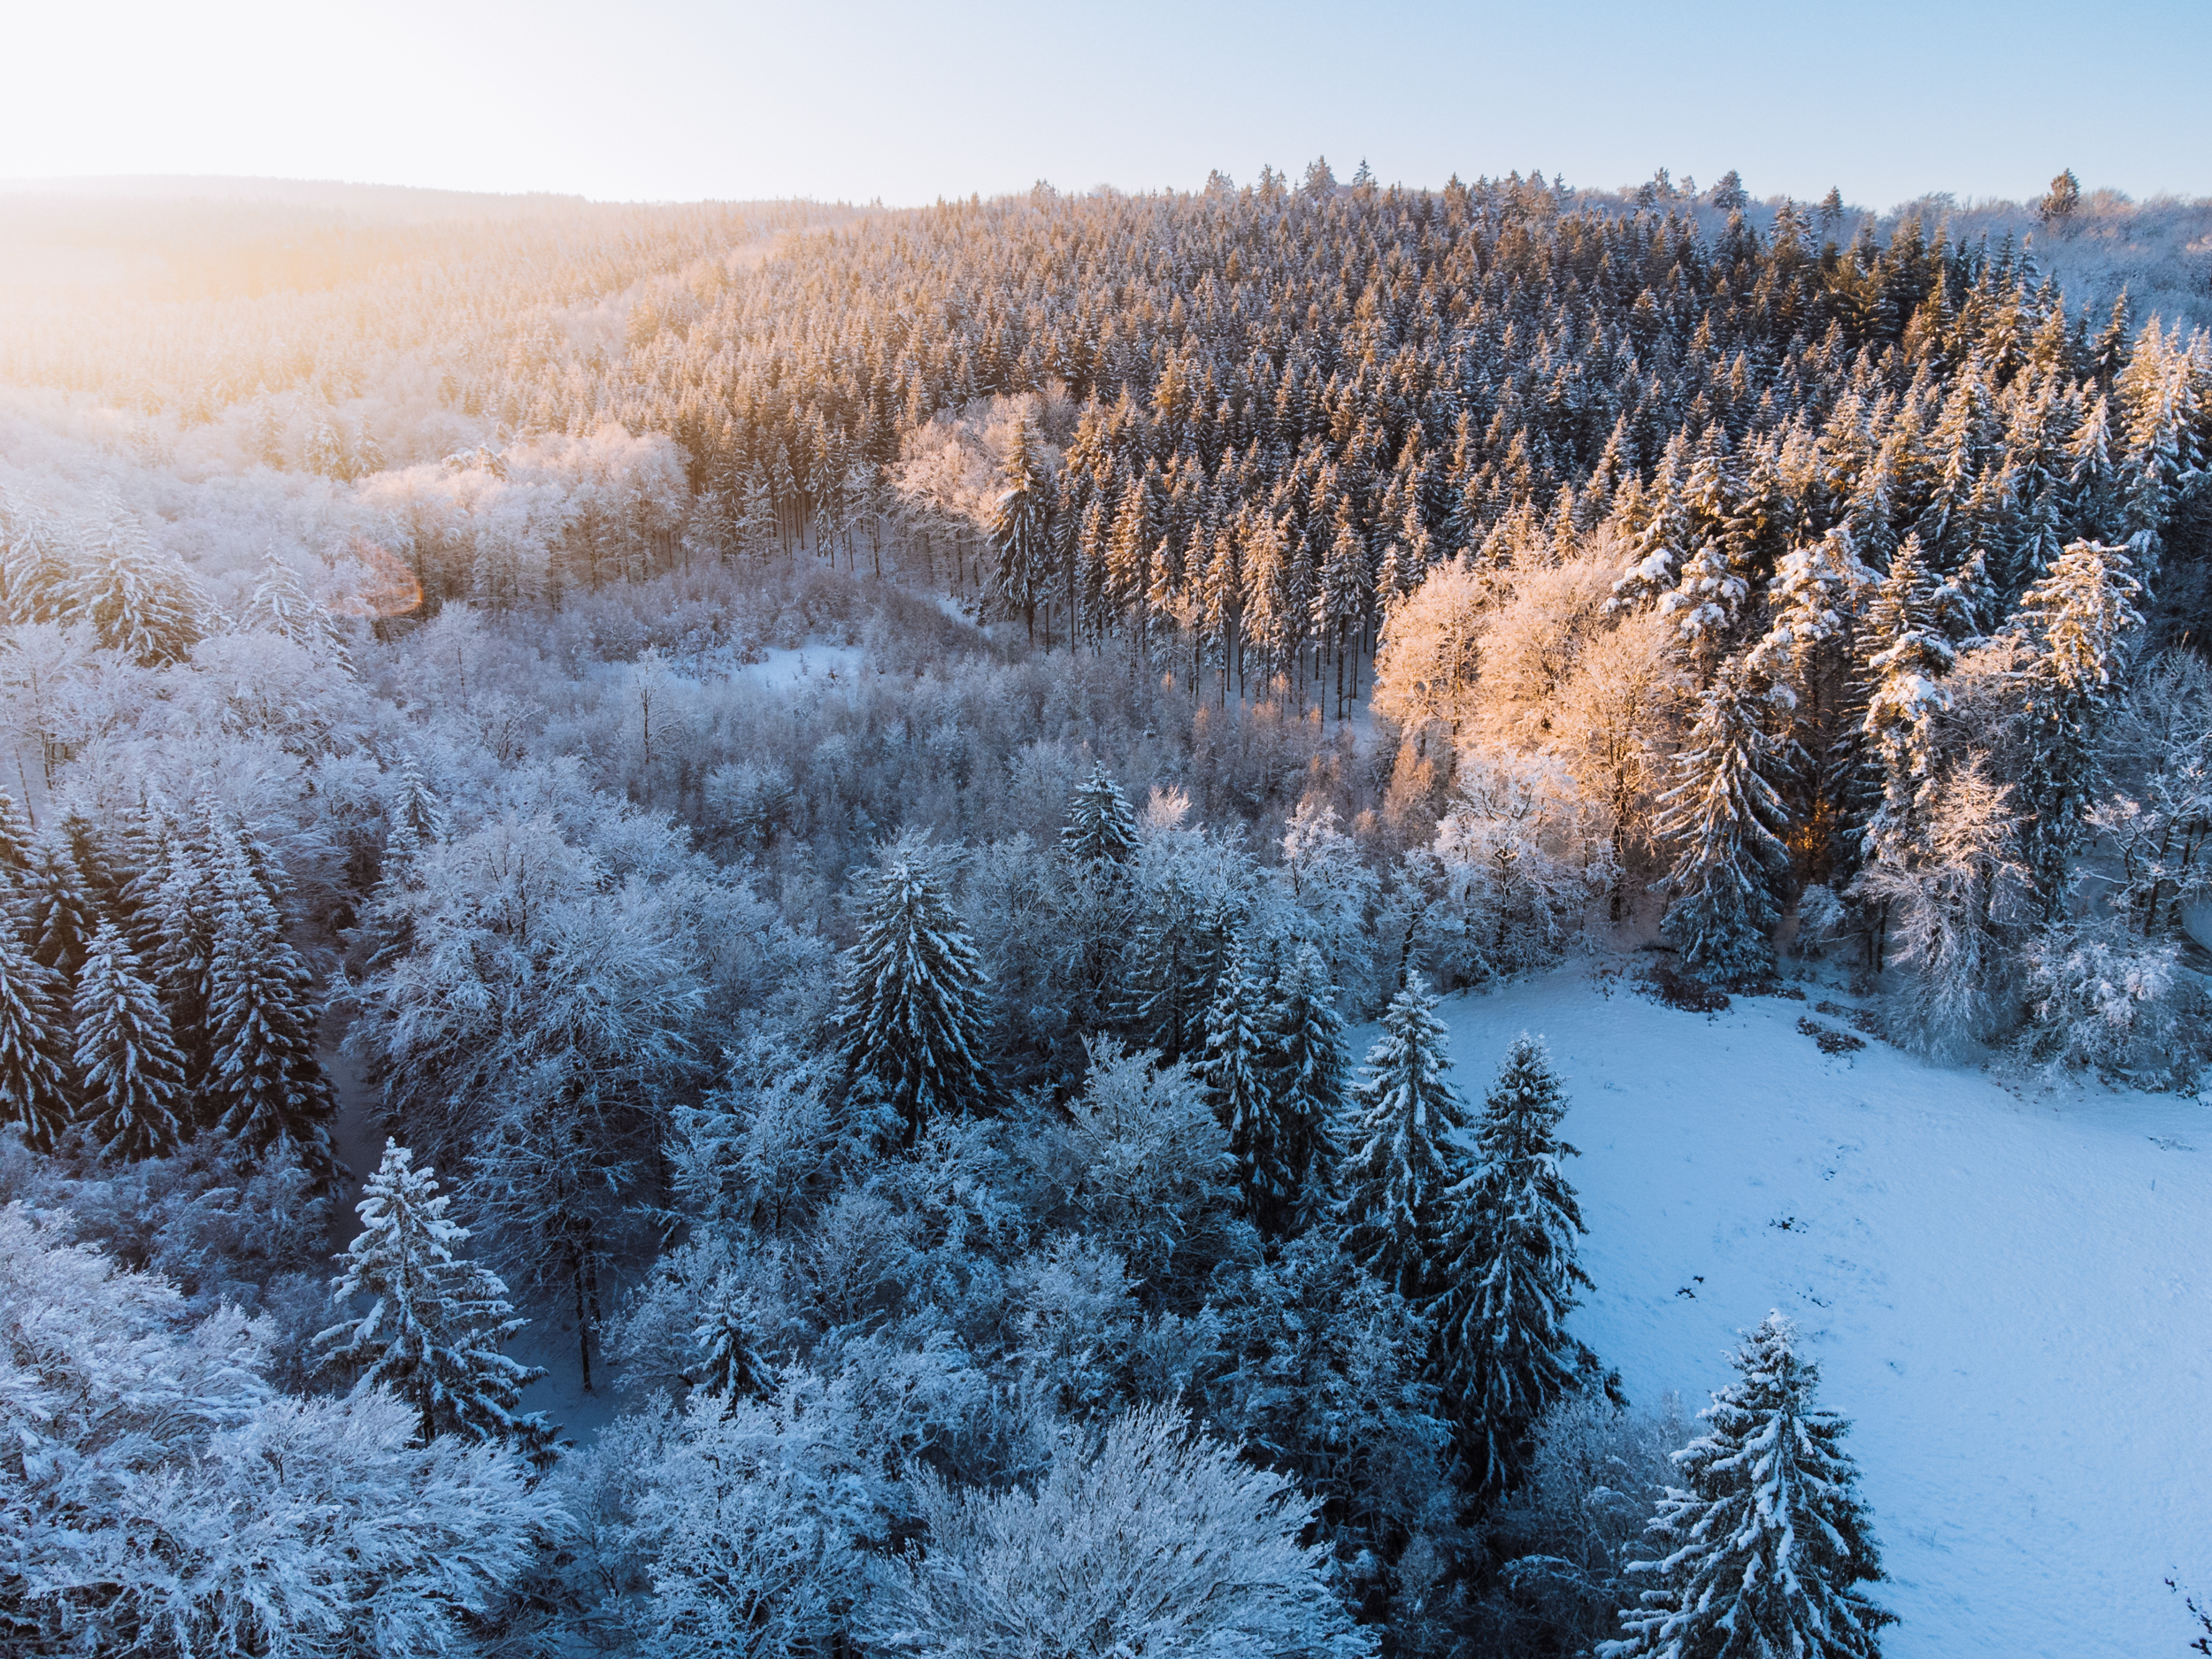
131,1076
35,576
729,1366
1908,656
1510,1273
175,904
1100,826
263,1083
280,605
435,1321
912,1014
34,1043
1235,1071
1768,1541
59,915
2079,622
1725,819
1174,963
17,838
140,603
1311,1069
1403,1159
1021,530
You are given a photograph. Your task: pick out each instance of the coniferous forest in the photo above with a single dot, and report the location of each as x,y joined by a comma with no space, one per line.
736,929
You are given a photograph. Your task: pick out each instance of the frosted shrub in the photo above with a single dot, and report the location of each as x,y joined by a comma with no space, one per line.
2098,998
1143,1163
1152,1541
1521,855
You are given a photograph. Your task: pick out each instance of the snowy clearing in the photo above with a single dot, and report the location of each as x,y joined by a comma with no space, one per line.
2001,1292
783,665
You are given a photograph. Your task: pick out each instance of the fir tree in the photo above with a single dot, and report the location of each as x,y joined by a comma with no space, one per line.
912,1014
1100,826
1310,1072
435,1321
730,1367
1725,819
1403,1160
1021,530
1768,1542
1908,657
132,1077
17,839
33,1041
1175,963
281,606
145,606
2079,621
59,914
1235,1071
1510,1273
265,1083
35,577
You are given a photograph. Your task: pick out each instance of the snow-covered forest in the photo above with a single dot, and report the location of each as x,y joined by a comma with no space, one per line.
759,929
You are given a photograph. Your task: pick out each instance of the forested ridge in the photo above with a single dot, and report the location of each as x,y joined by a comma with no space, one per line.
811,796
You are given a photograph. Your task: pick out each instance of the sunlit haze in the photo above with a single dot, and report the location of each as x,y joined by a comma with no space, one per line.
675,99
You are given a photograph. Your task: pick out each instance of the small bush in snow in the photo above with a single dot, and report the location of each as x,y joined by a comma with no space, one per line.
2100,999
1153,1542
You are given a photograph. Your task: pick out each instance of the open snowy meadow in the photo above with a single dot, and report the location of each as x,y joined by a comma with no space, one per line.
1998,1284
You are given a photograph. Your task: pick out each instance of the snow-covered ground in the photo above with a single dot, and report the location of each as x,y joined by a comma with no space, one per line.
2008,1293
788,665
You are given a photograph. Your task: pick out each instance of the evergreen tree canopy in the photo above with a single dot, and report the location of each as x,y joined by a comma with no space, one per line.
1101,828
1768,1541
130,1075
1403,1160
1309,1083
1510,1272
140,603
34,1043
1726,819
912,1012
265,1083
1236,1073
435,1321
2079,621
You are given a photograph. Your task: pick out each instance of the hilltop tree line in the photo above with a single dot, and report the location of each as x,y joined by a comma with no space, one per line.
917,1080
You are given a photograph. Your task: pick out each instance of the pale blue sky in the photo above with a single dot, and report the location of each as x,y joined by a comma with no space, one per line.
668,99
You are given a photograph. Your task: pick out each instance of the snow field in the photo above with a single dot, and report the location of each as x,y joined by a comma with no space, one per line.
2003,1290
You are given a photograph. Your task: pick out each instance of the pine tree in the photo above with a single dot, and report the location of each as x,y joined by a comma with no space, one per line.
1100,828
1768,1542
145,606
1235,1071
729,1366
131,1076
1021,530
1725,818
912,1014
35,577
1403,1160
1174,961
1908,656
1510,1273
33,1041
59,914
435,1321
2079,621
175,904
1311,1070
281,606
17,839
265,1083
